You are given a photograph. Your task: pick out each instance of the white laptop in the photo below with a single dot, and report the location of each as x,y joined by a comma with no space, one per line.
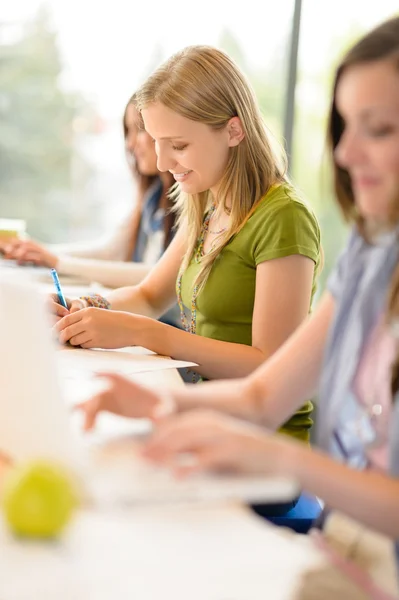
35,420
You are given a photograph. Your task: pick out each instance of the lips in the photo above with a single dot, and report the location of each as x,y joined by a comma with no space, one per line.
364,182
181,176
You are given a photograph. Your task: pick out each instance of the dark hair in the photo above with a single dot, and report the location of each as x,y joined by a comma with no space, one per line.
144,183
381,43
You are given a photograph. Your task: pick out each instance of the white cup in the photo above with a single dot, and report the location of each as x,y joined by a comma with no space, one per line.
12,228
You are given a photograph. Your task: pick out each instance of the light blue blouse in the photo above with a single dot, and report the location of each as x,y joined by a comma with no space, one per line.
359,285
151,223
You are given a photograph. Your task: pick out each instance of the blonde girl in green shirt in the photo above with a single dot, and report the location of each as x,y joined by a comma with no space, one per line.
244,258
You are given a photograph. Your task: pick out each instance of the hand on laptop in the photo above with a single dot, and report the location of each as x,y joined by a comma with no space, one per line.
126,398
217,442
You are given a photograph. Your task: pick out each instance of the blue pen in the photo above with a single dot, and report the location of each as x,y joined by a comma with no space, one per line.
60,295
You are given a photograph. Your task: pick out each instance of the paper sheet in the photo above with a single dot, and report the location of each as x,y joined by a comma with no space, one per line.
75,362
78,367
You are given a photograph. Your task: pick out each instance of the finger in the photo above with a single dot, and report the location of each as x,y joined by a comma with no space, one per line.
103,401
77,305
13,244
121,382
135,401
203,460
175,437
68,320
89,344
74,331
55,308
23,251
31,257
9,253
165,408
91,408
83,340
59,310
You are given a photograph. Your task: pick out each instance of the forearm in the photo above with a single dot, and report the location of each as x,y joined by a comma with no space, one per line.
273,392
112,274
368,496
233,398
291,376
215,359
132,299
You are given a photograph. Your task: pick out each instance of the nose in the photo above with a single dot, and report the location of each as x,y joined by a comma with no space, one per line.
348,151
165,162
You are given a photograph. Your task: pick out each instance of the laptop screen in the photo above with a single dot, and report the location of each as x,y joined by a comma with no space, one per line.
34,420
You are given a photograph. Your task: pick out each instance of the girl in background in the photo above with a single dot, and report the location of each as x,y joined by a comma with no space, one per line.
125,257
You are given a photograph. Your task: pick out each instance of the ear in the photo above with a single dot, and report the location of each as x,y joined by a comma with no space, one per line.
235,131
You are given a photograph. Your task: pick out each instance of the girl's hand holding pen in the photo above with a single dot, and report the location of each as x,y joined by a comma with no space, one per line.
59,305
60,311
99,328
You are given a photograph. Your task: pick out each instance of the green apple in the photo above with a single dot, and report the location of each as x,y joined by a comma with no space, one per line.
39,499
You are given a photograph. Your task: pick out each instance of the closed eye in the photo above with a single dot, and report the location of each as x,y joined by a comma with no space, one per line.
180,148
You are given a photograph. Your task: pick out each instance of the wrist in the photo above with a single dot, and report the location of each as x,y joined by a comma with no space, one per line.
141,330
249,390
291,455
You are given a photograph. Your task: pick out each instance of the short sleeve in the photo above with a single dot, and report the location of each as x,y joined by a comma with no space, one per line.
286,226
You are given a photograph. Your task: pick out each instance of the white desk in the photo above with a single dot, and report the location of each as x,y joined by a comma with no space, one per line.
207,553
218,551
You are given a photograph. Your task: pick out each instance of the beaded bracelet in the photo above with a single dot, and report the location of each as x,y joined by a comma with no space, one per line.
96,301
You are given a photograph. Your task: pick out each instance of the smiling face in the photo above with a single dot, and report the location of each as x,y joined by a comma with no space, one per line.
368,101
192,151
145,154
139,144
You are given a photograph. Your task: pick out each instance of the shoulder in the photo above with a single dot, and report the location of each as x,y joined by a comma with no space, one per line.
355,257
357,247
282,224
284,213
284,203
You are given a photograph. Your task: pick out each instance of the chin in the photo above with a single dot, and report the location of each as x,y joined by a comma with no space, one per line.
147,172
370,207
189,189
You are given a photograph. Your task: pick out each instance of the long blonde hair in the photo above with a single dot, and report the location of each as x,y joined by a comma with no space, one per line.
203,84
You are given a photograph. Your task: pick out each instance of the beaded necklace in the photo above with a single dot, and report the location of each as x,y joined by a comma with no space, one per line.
198,254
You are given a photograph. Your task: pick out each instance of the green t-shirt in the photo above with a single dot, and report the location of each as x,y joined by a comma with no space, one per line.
281,225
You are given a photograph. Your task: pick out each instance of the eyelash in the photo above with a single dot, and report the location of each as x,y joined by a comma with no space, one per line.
380,132
177,148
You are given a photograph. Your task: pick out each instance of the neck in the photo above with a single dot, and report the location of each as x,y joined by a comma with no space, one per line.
219,203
